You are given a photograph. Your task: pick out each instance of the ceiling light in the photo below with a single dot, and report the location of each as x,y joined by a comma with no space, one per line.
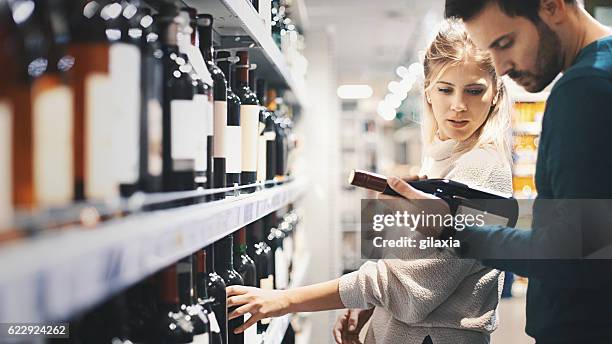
355,92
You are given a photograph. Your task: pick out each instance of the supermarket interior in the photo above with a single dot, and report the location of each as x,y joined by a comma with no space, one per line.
173,170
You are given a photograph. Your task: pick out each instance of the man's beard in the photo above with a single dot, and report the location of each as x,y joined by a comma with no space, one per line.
549,61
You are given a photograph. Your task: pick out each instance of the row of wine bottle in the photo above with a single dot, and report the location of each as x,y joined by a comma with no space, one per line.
185,302
102,98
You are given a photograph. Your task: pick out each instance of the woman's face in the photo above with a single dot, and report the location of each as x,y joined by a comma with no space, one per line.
461,100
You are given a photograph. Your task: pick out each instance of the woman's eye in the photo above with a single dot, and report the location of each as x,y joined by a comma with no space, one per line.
505,43
475,92
445,90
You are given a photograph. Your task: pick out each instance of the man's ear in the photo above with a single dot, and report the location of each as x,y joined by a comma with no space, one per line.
553,11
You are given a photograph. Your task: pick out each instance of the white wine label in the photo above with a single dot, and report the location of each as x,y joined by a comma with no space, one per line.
281,269
53,141
249,121
201,339
210,118
270,136
261,159
268,284
201,108
214,324
197,61
220,127
125,78
250,334
233,146
184,134
6,173
100,176
155,136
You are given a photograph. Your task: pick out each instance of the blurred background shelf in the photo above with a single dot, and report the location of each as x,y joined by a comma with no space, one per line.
56,275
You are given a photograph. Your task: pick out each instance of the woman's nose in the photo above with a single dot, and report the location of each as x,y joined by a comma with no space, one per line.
458,105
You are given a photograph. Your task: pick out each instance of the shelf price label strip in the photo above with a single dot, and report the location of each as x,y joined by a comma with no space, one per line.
53,276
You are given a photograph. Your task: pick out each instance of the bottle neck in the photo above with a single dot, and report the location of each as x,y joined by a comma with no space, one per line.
225,67
185,280
206,41
240,241
168,291
225,257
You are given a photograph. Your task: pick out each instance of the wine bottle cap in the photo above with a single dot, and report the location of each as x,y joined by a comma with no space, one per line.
368,180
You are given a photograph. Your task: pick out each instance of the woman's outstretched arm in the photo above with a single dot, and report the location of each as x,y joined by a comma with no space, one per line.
263,303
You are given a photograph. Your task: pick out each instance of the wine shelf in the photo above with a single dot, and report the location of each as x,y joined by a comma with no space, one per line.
58,274
239,26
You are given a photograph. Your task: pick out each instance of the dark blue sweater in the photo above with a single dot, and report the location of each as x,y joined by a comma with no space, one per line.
568,301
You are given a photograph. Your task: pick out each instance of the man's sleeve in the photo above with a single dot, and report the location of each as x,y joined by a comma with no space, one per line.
579,167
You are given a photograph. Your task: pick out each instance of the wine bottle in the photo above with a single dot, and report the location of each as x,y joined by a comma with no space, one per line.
249,119
215,286
90,79
41,106
268,137
205,29
204,298
247,269
151,132
192,311
233,138
178,115
125,98
258,249
204,97
224,266
280,139
172,324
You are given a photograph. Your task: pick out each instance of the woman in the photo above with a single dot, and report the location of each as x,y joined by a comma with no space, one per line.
439,299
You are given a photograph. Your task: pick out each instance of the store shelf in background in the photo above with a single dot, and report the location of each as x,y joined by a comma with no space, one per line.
528,128
54,276
278,326
240,25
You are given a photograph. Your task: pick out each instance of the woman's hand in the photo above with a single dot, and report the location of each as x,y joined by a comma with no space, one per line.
260,303
348,325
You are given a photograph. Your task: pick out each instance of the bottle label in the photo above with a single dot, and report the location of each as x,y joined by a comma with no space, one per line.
124,69
210,117
220,127
155,136
233,146
261,159
184,133
281,269
100,175
53,144
214,324
201,108
201,339
6,172
250,334
249,121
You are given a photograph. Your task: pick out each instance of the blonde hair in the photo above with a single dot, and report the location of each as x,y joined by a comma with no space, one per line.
453,47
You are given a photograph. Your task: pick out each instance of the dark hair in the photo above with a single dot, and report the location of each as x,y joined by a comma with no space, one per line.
468,9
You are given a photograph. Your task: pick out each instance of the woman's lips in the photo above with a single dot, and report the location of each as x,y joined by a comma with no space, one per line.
457,123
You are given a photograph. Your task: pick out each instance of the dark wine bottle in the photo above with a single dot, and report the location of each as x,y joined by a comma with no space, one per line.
220,130
234,133
247,269
224,266
151,133
204,298
172,324
249,119
178,156
215,286
193,312
258,249
268,136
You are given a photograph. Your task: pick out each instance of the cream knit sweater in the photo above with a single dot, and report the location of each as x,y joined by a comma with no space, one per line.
452,300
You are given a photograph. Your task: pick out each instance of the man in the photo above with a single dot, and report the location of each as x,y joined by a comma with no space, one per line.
532,41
